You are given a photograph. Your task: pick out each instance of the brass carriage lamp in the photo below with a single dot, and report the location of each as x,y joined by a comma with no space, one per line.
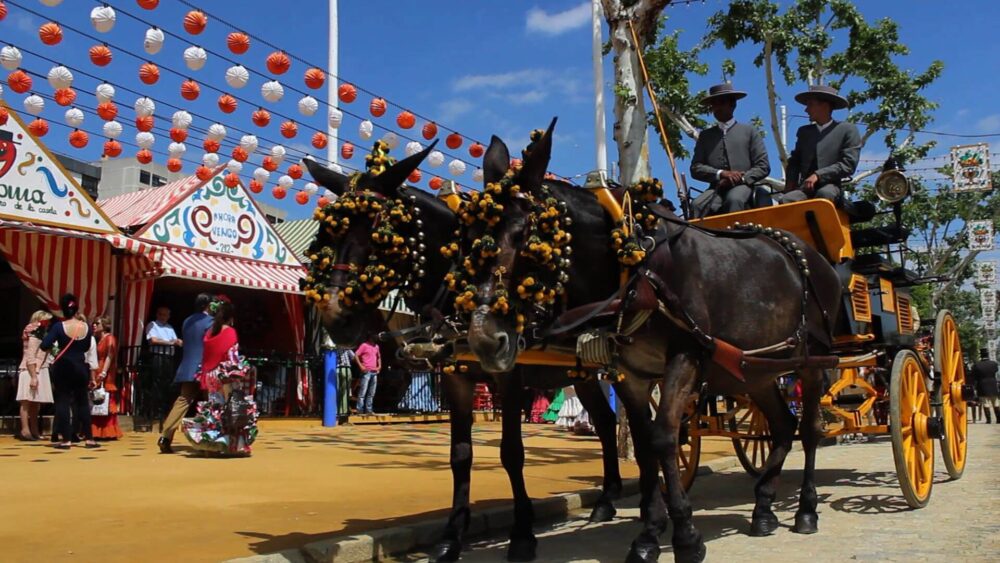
892,185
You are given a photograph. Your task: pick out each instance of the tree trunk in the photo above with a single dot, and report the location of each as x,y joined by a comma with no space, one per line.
625,449
630,107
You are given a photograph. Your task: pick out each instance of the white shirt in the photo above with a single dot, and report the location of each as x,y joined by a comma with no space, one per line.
91,354
824,126
725,127
161,332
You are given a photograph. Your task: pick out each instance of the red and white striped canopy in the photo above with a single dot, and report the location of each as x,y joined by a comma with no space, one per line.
138,208
192,264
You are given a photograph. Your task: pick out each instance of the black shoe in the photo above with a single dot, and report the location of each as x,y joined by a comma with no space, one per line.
164,446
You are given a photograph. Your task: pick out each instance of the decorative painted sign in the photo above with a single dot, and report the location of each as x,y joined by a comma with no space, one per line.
970,168
986,272
220,219
34,187
980,235
988,300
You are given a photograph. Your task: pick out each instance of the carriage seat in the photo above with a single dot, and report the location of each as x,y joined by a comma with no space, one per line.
879,236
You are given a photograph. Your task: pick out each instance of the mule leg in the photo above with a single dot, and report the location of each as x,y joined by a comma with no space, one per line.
522,539
605,423
782,424
459,392
810,429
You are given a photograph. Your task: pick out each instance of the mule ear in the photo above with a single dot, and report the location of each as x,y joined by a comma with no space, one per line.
387,182
536,163
333,181
496,161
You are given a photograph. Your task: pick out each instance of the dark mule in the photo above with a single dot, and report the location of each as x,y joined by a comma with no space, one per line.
349,325
745,290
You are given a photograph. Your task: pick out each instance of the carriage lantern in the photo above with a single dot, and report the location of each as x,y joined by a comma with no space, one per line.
892,186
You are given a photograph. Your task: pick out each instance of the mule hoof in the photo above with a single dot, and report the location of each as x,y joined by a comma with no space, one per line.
446,551
643,553
763,525
690,554
603,512
522,549
806,523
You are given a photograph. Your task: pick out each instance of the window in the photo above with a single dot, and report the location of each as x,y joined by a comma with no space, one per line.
158,181
144,177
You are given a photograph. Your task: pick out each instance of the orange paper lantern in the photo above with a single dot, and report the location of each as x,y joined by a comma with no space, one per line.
269,164
289,129
302,198
323,201
227,103
347,150
3,11
19,81
149,73
38,127
190,90
430,130
178,135
4,114
295,171
144,123
279,192
256,187
174,164
64,96
203,172
211,145
50,33
315,78
414,176
436,183
107,110
377,107
476,150
278,62
261,117
195,22
406,120
231,180
453,141
148,4
144,156
238,42
100,55
240,154
319,140
113,148
347,93
79,139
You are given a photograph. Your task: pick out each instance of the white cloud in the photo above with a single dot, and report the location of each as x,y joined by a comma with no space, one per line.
989,124
559,22
526,86
525,98
502,80
26,23
450,110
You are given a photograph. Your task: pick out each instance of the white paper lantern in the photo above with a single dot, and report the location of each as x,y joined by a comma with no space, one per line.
435,159
308,106
237,76
272,90
391,140
216,132
176,149
330,195
412,148
112,129
144,107
285,181
34,104
336,117
10,57
144,139
234,166
477,175
181,119
311,188
336,168
52,3
249,143
103,18
365,129
261,175
456,167
74,117
210,159
153,41
104,92
278,153
60,77
1,91
195,57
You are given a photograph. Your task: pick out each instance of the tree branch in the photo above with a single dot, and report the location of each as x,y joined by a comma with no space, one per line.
954,275
681,121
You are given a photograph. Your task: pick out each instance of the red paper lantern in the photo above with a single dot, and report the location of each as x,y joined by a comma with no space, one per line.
476,150
430,130
406,120
174,164
107,110
79,139
149,73
278,62
453,141
295,171
4,114
347,93
227,103
238,42
19,81
148,4
144,156
144,123
240,154
315,78
64,96
323,201
377,107
269,164
113,148
211,145
414,176
261,117
3,11
190,90
203,172
319,140
347,150
50,33
436,183
279,192
195,22
256,187
178,135
38,127
289,129
100,55
302,198
231,180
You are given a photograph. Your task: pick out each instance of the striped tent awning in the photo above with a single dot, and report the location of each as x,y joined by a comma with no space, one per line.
298,235
190,264
137,208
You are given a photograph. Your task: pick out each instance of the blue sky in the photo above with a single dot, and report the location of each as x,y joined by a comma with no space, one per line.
480,68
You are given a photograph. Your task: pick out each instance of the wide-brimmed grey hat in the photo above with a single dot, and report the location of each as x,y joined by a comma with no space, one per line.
723,91
825,93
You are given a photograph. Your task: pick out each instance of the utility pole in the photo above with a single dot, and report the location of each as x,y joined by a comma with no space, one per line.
331,93
600,131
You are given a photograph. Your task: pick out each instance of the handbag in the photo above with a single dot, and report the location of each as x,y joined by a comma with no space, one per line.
99,402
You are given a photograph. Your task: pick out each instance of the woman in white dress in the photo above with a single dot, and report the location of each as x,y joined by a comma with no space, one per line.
33,385
571,409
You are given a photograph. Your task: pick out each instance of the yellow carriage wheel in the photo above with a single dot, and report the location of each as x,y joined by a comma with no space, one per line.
754,444
909,415
948,362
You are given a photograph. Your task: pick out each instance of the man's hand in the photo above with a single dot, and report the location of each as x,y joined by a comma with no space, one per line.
733,177
178,342
809,184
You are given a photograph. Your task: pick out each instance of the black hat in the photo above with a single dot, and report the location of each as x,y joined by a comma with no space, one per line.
825,93
725,90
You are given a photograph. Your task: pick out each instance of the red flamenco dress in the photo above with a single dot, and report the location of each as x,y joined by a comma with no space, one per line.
106,427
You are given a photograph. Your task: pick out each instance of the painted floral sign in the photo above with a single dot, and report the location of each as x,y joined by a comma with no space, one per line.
986,272
980,235
970,165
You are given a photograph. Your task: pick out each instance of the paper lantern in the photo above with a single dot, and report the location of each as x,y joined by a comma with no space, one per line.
153,41
412,148
178,135
112,149
406,120
3,11
190,90
145,106
216,132
435,183
285,181
430,130
240,154
261,117
19,81
261,175
4,114
38,127
456,167
176,149
195,57
104,92
174,164
106,111
203,173
435,159
144,123
64,96
377,107
231,180
211,145
272,90
269,164
103,18
148,4
365,129
238,42
60,77
100,55
323,201
249,143
310,188
210,159
315,78
181,119
237,76
50,33
302,198
453,141
10,57
112,129
256,187
414,177
347,150
295,171
347,93
278,62
234,166
227,103
336,117
149,73
336,168
289,129
308,106
476,150
319,140
144,156
195,22
278,153
74,117
34,104
391,140
144,139
279,192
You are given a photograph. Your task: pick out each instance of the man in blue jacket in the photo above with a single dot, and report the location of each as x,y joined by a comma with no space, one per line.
193,336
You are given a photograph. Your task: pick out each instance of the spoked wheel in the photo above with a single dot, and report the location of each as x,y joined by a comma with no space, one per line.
909,420
948,362
689,449
754,444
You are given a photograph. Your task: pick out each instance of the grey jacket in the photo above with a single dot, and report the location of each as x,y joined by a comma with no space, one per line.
741,148
832,153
